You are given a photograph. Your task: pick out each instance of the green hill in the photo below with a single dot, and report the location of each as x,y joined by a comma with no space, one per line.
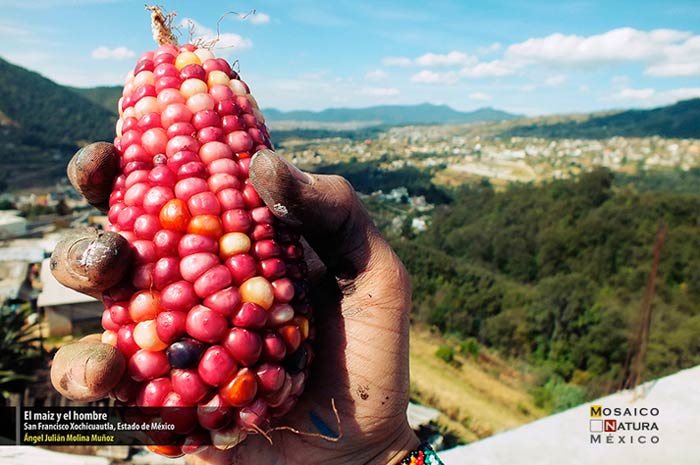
425,113
43,124
105,96
554,275
49,111
681,120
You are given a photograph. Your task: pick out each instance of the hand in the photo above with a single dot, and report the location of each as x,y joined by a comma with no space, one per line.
361,305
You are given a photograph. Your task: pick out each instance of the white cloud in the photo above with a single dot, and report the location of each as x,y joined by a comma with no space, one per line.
679,60
397,61
674,69
617,45
528,88
381,91
634,94
117,53
259,18
495,68
431,77
494,47
620,80
649,97
480,96
453,58
682,93
376,75
223,41
45,4
556,80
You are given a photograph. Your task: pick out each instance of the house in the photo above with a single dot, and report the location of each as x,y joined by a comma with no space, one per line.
11,224
66,310
17,269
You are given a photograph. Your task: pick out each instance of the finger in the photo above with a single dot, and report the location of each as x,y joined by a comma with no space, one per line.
86,371
92,171
95,337
91,261
325,210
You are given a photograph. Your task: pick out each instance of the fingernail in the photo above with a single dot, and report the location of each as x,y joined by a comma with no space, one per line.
296,173
78,255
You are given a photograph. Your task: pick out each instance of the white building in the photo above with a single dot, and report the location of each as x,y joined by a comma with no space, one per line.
11,224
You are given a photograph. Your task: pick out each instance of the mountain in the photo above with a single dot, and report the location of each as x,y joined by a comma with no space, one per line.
41,125
46,110
105,96
424,113
681,120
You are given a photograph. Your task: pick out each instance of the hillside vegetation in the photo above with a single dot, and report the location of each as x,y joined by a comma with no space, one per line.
43,125
105,96
478,394
424,113
50,113
554,276
681,120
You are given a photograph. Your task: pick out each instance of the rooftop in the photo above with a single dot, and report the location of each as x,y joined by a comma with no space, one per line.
55,293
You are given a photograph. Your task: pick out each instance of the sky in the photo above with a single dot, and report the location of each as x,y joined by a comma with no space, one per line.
524,56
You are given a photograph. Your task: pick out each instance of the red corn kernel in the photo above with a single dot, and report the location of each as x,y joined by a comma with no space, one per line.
196,243
224,301
188,384
206,225
166,242
193,266
178,296
205,324
153,393
244,345
216,365
291,336
241,389
146,364
213,280
170,326
215,414
242,268
144,305
174,215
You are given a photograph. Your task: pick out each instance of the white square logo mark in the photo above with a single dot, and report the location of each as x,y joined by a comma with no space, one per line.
596,426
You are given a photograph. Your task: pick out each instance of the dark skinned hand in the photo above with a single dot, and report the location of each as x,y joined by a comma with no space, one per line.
361,299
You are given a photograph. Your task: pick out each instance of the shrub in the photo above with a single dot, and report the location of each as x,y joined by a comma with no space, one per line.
470,346
445,353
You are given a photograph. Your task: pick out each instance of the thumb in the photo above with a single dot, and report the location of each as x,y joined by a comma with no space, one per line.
324,209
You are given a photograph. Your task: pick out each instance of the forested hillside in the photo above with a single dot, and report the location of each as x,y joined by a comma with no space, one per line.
554,275
680,120
43,126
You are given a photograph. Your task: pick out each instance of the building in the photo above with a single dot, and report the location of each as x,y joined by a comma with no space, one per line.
19,261
11,224
66,310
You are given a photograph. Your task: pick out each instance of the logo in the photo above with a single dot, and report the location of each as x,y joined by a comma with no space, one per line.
623,425
610,426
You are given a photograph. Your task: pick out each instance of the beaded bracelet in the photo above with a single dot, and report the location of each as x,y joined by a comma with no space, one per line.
424,455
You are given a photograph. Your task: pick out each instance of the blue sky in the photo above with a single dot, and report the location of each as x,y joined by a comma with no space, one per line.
531,57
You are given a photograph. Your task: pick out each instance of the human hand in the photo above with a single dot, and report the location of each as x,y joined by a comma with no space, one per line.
361,302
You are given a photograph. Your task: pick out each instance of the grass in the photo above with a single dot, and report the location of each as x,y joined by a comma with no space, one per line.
477,396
